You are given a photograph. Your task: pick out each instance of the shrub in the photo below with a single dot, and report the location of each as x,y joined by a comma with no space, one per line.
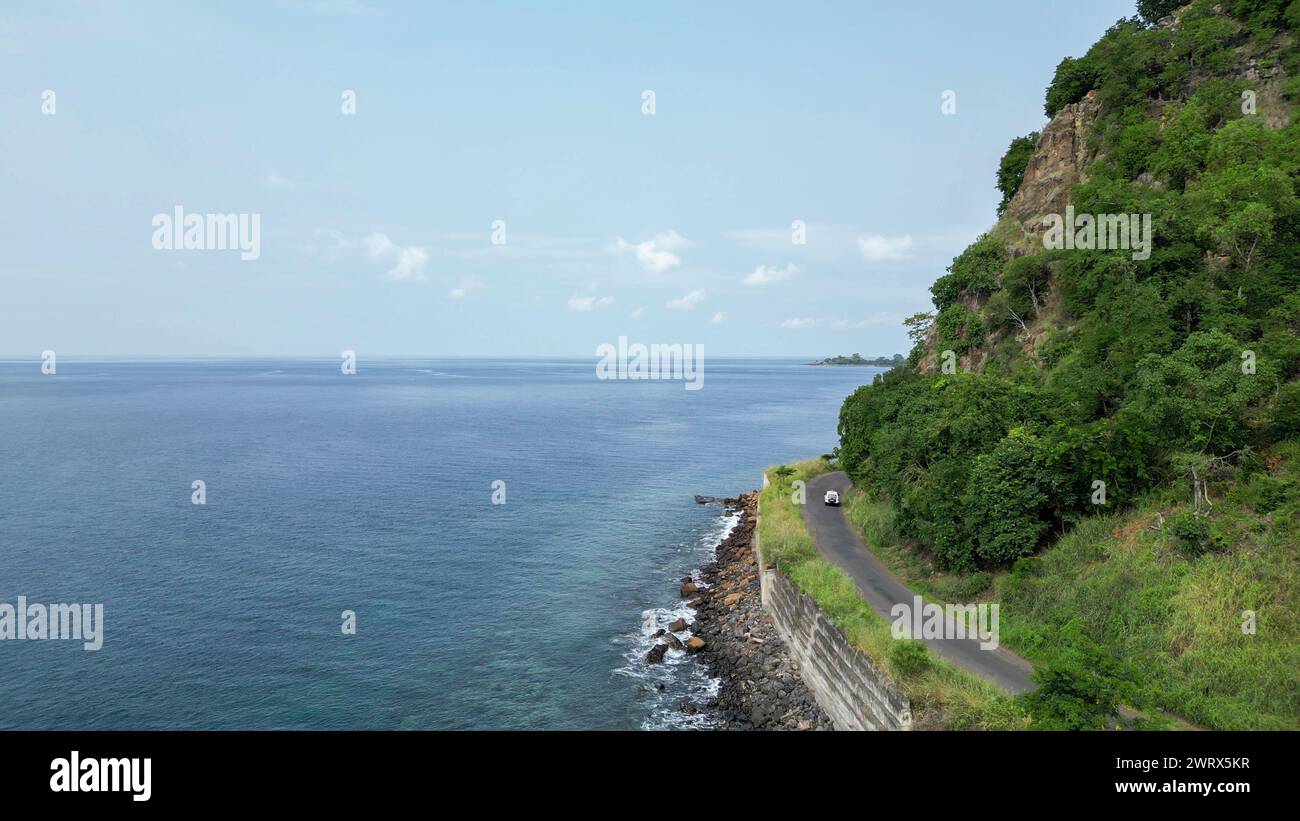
908,658
960,329
1024,567
963,589
1194,535
1011,170
1286,411
1078,690
974,271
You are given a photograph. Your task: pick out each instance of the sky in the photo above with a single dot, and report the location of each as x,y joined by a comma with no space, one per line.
489,179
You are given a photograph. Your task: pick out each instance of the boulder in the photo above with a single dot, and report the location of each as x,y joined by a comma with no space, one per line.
673,641
694,644
689,589
656,654
677,626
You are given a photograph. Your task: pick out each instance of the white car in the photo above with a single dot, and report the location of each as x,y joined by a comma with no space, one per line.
832,498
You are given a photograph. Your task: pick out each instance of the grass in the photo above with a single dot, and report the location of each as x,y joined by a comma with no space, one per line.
1174,620
942,696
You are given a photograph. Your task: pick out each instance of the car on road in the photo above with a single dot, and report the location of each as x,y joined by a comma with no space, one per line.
832,498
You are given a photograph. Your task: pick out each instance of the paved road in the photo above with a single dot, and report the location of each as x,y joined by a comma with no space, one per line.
839,543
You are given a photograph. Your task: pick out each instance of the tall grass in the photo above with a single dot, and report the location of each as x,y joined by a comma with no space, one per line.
1174,621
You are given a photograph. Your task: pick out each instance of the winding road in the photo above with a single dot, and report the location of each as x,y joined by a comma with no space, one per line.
840,544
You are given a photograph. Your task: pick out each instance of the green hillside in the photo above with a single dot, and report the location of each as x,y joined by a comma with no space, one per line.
1104,435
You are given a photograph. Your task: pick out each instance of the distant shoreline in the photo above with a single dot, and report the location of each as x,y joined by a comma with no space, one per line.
856,359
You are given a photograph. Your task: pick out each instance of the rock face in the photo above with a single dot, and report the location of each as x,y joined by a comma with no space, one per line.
736,640
1057,164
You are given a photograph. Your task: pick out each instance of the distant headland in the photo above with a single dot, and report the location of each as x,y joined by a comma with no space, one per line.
856,359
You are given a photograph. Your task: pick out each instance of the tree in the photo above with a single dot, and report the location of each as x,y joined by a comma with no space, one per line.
918,326
1080,689
1152,10
1011,170
1006,498
973,272
1073,79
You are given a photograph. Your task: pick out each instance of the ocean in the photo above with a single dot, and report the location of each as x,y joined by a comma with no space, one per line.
373,493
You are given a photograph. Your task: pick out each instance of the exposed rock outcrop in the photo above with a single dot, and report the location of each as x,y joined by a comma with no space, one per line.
1057,164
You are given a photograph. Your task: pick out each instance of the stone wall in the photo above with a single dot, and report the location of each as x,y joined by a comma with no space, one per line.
845,682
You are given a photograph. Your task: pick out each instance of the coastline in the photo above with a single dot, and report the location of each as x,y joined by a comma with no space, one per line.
759,686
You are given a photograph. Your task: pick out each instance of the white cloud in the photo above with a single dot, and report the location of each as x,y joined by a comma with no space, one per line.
688,302
277,180
719,318
879,248
466,285
586,304
654,255
407,261
637,313
766,274
799,322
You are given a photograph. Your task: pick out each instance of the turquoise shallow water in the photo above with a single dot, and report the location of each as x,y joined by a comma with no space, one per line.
371,493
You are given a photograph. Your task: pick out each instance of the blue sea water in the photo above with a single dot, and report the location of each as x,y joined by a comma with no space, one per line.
373,493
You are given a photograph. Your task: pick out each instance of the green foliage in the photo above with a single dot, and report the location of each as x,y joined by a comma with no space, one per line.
1081,689
1026,281
962,589
908,658
1153,10
973,273
1193,535
1138,360
1007,497
1024,568
1286,411
1197,396
960,328
1073,79
1011,170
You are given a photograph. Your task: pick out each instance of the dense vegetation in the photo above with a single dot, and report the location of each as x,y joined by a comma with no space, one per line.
1092,390
1095,369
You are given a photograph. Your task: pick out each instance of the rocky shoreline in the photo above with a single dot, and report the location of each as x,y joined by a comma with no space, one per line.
760,687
